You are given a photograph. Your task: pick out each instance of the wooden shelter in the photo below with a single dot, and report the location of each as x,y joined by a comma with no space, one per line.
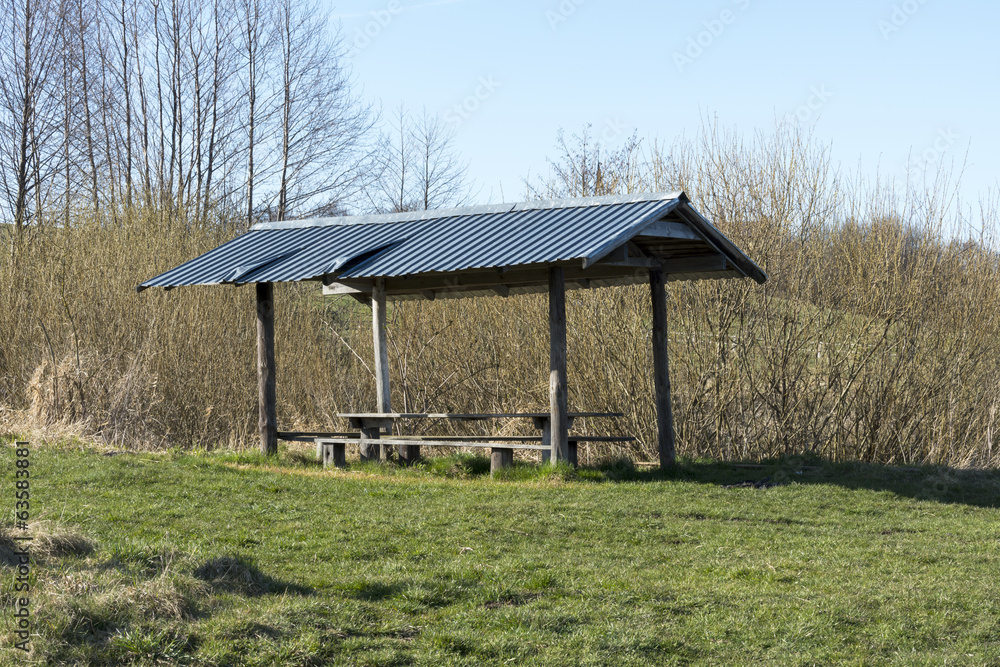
543,246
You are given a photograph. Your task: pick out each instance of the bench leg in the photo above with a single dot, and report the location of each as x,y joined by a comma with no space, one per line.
501,457
334,454
319,451
409,454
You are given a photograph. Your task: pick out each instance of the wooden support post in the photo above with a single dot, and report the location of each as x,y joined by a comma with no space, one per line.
661,369
266,396
500,457
558,397
382,388
574,456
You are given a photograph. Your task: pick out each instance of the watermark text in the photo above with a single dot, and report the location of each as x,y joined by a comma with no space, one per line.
714,28
22,575
462,111
900,16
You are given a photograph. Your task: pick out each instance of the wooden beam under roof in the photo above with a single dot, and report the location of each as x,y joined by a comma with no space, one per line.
516,278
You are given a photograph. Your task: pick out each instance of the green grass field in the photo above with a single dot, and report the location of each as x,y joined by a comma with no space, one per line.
232,559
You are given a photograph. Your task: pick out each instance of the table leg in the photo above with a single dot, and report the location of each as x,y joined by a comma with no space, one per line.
369,450
547,441
409,454
545,424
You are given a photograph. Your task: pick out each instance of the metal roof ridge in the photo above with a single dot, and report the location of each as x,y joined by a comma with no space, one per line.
415,216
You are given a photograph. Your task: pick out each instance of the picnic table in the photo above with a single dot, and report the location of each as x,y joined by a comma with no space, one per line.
371,424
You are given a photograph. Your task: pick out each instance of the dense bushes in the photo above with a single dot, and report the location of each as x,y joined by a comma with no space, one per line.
875,338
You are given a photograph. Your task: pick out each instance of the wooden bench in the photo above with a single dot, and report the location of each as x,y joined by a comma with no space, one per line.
315,436
333,451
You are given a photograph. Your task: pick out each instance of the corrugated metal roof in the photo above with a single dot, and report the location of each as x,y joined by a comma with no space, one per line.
445,241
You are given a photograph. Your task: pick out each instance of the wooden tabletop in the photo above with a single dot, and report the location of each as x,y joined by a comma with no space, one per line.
460,416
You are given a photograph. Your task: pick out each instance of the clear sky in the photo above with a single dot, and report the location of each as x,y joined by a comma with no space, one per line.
886,81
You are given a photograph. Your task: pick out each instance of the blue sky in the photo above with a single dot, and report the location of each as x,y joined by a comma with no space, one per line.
886,82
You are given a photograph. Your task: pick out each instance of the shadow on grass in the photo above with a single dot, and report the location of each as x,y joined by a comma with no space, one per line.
375,591
236,574
943,484
980,488
433,593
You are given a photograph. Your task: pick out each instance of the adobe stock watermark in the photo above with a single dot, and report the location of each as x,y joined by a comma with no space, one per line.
562,13
21,597
714,29
613,129
818,98
462,111
900,16
370,31
791,465
933,154
940,486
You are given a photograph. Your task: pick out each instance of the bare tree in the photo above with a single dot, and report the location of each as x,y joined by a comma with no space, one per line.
65,38
109,114
585,167
441,174
323,126
29,116
84,28
215,105
204,105
141,21
256,44
128,16
419,167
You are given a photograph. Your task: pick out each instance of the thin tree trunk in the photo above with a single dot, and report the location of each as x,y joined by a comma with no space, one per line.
160,176
252,54
174,100
286,110
216,85
67,111
127,94
87,127
147,181
199,133
106,110
21,201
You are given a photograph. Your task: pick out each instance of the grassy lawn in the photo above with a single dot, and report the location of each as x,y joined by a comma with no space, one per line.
231,559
